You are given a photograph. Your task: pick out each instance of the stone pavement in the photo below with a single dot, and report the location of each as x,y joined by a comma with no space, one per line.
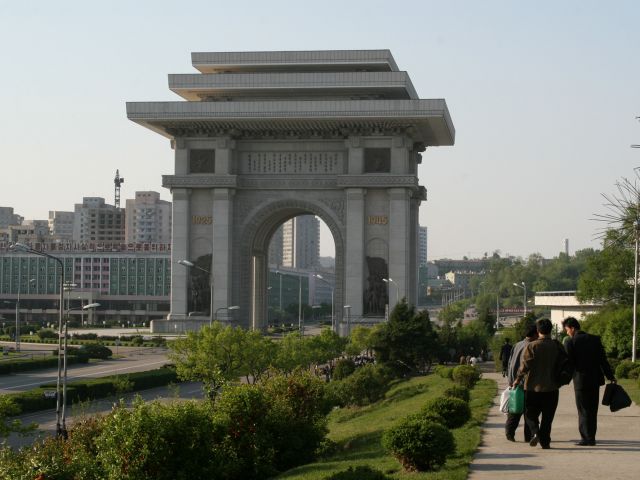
616,455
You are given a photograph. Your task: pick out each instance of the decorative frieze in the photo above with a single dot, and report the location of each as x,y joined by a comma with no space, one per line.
199,181
287,163
377,181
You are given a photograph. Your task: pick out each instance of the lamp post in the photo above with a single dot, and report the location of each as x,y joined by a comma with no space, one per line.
300,303
524,287
320,277
188,264
635,292
279,273
90,306
20,247
232,307
389,281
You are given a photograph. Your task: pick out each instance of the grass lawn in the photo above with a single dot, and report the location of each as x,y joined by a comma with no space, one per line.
632,387
358,431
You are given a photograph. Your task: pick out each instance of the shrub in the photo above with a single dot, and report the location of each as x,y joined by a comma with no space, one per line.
419,444
137,341
457,391
627,369
466,375
95,351
344,367
454,411
85,336
366,385
444,371
358,473
14,366
46,333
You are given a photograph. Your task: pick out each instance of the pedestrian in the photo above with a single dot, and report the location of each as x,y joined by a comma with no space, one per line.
538,370
505,353
591,366
513,419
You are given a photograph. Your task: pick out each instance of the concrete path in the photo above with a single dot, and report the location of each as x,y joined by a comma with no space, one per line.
615,457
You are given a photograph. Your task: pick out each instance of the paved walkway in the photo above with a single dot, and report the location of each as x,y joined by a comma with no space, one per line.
616,456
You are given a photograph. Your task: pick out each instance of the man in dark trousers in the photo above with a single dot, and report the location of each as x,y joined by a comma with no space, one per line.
513,419
505,353
591,366
538,370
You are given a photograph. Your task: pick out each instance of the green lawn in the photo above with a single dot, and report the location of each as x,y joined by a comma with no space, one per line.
632,387
357,432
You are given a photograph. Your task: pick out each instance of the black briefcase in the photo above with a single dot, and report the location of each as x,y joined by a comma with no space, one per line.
615,397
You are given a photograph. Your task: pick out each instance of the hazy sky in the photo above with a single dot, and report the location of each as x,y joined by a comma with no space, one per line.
543,96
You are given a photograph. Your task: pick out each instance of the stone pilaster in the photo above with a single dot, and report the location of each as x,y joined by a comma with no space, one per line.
399,241
400,147
354,257
180,238
222,213
224,155
355,165
181,157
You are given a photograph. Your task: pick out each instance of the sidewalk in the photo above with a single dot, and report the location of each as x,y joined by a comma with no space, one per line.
615,457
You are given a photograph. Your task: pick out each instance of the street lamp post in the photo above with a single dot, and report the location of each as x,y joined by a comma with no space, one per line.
389,281
188,264
320,277
20,247
18,312
232,307
300,303
523,286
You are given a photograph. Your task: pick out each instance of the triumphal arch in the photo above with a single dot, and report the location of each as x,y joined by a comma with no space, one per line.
262,137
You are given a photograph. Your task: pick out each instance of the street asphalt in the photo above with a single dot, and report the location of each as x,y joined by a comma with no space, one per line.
615,456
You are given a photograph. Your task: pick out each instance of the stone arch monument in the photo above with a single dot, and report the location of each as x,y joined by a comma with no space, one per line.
266,136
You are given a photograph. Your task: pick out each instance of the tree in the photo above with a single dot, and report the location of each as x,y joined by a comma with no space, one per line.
608,273
407,342
214,356
360,340
7,409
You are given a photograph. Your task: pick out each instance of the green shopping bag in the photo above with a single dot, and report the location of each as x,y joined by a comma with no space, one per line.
516,400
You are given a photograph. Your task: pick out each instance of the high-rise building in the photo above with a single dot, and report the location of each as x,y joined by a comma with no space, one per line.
275,248
95,221
61,225
148,219
301,242
29,231
422,246
7,217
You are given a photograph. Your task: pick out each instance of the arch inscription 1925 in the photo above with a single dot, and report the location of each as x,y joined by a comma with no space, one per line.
266,136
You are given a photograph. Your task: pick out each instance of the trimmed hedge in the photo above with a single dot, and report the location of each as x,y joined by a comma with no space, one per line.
454,412
466,375
34,400
14,366
457,391
444,371
419,443
628,369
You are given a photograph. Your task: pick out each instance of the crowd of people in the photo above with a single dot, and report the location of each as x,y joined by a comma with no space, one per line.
533,362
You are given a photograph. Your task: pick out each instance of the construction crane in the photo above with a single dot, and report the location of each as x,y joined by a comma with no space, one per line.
117,181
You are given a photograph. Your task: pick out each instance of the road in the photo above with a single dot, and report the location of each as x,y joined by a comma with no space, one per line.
46,419
133,359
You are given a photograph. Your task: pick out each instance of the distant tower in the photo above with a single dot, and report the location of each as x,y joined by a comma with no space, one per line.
117,182
566,246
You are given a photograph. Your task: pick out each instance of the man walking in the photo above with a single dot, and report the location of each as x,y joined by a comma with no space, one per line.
538,369
505,353
591,366
513,419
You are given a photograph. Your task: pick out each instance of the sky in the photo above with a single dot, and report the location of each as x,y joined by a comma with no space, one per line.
544,97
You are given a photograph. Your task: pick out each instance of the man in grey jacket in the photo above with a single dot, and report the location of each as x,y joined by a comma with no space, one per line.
513,419
538,370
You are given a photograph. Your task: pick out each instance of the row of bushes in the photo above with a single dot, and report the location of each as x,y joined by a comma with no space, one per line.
23,365
628,369
135,341
423,441
34,400
366,385
250,432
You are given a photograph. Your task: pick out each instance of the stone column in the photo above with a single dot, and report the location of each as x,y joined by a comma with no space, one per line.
355,248
180,232
399,242
222,213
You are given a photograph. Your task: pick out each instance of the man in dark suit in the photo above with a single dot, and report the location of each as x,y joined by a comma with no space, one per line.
591,366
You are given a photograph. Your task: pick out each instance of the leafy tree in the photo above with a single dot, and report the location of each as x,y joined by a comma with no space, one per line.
7,409
213,355
607,274
407,342
360,340
259,353
614,324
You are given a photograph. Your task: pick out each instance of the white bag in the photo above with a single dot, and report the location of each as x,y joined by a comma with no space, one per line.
504,401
